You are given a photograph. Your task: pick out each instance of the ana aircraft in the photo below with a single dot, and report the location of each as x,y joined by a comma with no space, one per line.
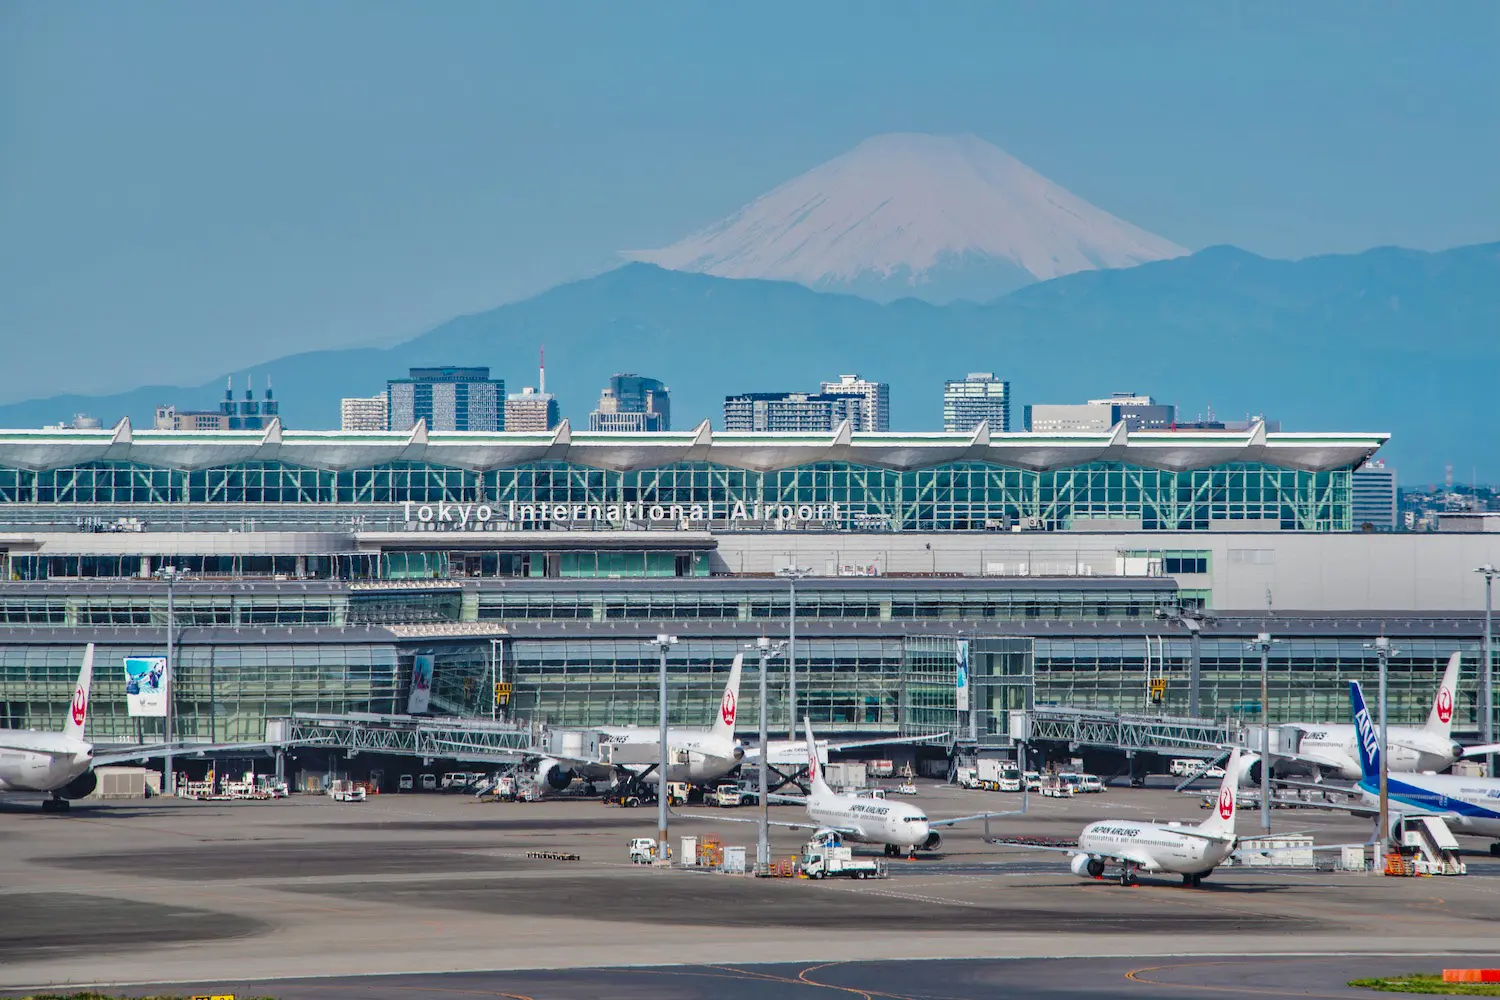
1471,805
1331,749
63,763
899,827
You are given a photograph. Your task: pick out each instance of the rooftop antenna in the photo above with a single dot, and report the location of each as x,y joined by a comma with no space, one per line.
541,370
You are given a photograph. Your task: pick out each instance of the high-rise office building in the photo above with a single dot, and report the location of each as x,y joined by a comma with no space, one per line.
363,413
876,397
793,411
633,403
1372,489
449,399
979,397
533,410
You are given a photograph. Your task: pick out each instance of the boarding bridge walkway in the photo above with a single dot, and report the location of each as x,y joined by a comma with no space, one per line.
1175,735
404,735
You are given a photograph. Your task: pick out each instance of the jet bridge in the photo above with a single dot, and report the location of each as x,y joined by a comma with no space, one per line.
1176,735
401,735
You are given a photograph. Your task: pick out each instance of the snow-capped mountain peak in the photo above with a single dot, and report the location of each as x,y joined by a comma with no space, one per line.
912,214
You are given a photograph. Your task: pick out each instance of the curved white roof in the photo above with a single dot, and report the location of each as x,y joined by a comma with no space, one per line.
482,451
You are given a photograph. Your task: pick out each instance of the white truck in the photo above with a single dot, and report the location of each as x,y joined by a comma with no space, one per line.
831,861
967,777
725,797
642,851
346,791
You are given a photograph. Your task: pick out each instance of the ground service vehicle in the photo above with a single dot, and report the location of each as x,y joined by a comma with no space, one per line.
1090,783
429,782
1009,780
642,851
1181,767
821,860
677,793
725,797
404,783
1033,781
967,777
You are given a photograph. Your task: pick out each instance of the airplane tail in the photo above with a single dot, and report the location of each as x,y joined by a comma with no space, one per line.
1221,819
78,709
1365,736
729,704
817,787
1440,719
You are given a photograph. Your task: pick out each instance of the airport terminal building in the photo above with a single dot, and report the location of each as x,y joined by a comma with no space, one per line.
314,567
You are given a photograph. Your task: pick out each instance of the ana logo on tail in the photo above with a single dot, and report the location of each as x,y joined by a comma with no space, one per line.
726,708
80,705
1226,802
1444,705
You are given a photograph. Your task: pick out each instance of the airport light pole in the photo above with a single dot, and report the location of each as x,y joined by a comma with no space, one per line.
1384,652
1193,620
767,649
1487,675
792,574
662,642
1263,642
171,574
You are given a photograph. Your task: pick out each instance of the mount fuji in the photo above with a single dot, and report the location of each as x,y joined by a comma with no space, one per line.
910,215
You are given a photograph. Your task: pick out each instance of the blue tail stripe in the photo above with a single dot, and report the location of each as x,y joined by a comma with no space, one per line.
1367,741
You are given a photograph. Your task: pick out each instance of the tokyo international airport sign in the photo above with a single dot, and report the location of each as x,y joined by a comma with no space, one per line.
484,516
146,686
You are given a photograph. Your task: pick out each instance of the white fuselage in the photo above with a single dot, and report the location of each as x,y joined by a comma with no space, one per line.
1332,748
1469,805
40,762
871,820
693,755
1155,847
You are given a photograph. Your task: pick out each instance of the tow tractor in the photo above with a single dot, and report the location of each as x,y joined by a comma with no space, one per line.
906,788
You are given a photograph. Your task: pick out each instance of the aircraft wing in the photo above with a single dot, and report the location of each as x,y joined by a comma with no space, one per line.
804,825
1316,786
966,819
156,750
1481,751
796,753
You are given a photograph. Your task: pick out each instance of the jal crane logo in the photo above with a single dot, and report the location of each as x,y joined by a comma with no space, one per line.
1444,705
726,708
1226,802
80,705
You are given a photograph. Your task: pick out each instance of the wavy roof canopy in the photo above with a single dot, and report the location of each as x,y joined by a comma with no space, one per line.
622,452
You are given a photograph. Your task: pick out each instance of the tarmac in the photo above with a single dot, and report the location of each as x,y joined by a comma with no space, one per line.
421,895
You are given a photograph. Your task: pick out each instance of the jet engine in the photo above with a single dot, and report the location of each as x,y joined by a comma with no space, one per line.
1086,867
80,786
552,774
933,842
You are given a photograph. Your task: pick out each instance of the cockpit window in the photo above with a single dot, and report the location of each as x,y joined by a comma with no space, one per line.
919,819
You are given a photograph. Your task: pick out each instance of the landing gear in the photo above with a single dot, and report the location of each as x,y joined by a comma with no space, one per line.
590,790
55,805
1192,881
1127,874
1495,849
891,850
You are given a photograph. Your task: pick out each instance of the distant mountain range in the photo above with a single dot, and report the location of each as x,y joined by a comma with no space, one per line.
1386,340
926,216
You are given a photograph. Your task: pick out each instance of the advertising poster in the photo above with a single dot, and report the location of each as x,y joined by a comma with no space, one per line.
146,686
421,684
961,679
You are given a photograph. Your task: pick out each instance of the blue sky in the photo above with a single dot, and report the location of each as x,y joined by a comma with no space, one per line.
187,188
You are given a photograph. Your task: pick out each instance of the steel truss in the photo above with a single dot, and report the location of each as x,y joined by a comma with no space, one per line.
1119,731
403,735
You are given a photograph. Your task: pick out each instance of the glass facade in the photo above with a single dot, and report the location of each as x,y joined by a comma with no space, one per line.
961,496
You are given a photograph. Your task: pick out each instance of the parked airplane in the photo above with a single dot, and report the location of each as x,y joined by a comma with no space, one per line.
697,756
1471,805
63,763
1331,749
1172,848
900,827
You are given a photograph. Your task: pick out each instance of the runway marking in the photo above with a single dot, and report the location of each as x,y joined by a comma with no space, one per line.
1135,976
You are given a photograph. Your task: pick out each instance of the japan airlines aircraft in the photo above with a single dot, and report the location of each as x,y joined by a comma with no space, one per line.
63,763
1171,848
1471,805
1332,748
697,756
900,827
